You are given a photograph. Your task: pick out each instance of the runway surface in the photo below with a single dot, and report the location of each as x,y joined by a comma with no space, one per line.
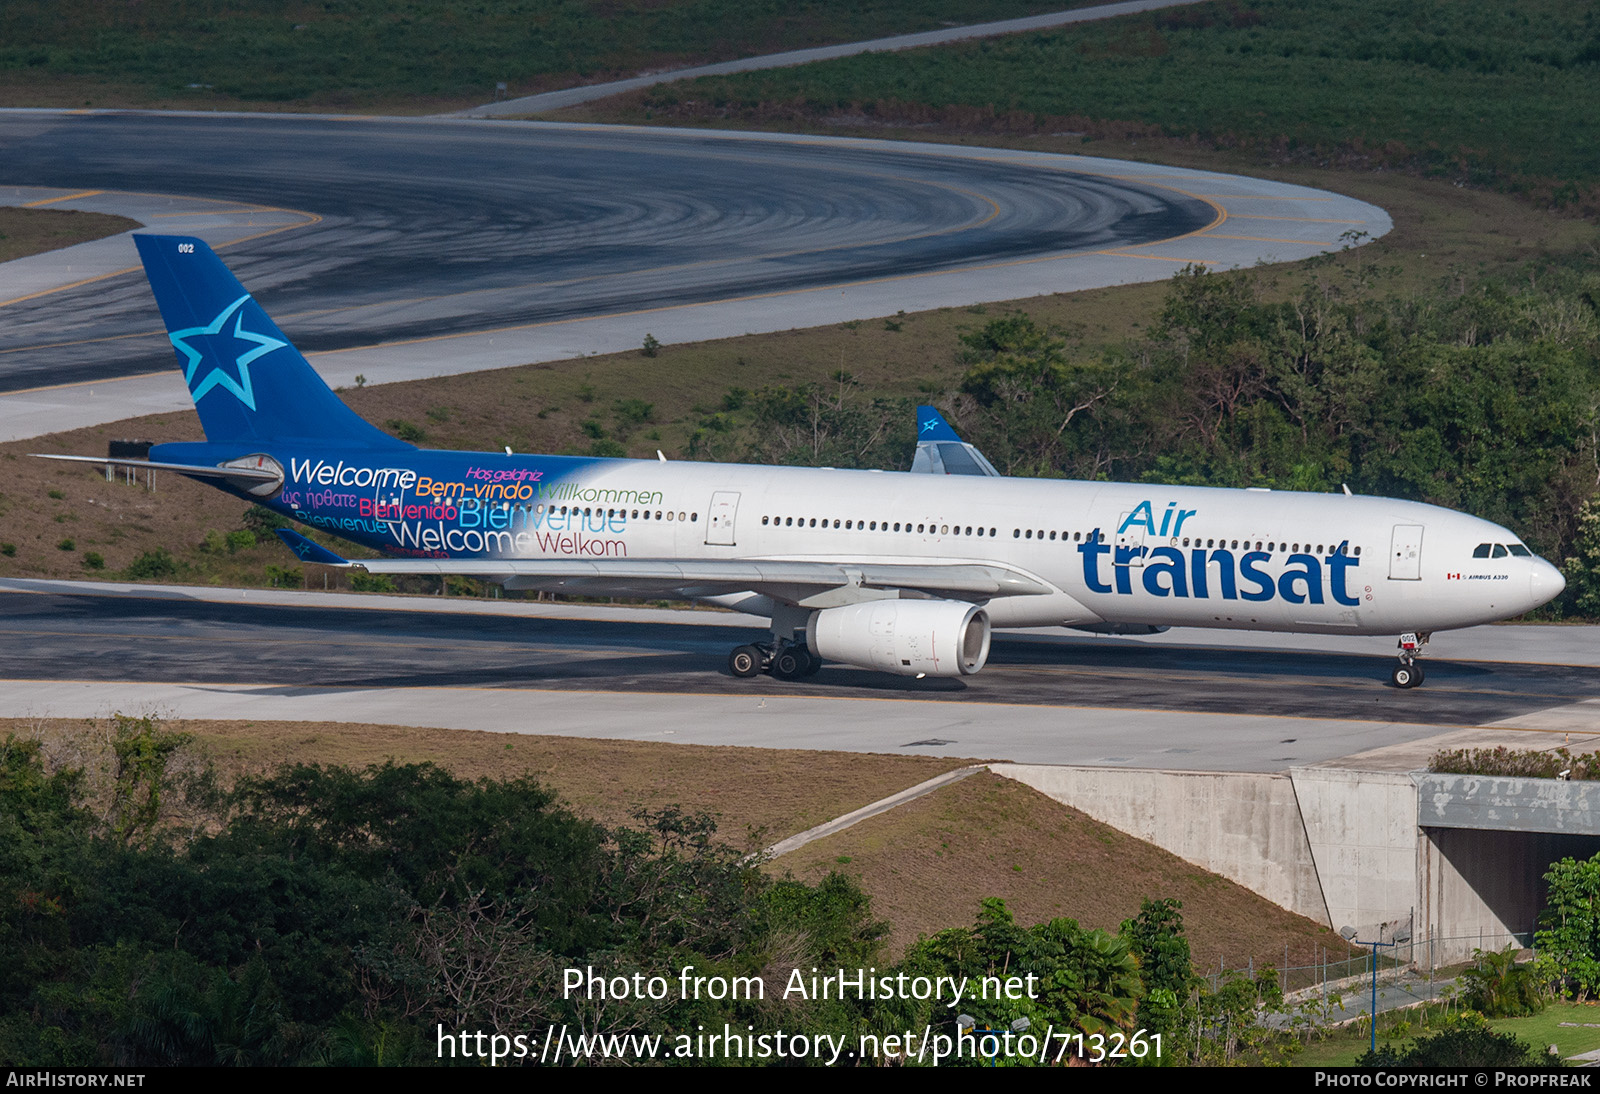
402,248
1198,702
432,228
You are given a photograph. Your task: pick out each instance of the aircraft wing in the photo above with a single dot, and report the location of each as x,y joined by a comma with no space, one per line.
812,584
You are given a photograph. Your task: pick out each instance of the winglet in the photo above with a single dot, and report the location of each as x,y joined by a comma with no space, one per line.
941,451
306,551
931,426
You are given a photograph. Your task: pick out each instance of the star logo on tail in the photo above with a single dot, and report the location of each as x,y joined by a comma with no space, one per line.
217,377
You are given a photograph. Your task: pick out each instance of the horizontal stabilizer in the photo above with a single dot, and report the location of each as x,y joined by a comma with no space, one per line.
306,551
202,470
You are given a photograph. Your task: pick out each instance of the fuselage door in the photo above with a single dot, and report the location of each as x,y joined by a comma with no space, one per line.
724,509
1405,553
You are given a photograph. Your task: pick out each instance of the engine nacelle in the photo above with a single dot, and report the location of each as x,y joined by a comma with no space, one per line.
905,637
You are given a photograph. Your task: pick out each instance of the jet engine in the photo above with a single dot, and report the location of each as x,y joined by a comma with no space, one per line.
905,637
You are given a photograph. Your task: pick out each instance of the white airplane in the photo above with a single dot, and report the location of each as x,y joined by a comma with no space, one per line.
907,573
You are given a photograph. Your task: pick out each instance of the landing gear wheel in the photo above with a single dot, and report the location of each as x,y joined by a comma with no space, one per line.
745,661
1406,676
815,666
792,663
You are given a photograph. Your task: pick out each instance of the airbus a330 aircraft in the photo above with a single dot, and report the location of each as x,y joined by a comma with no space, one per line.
902,572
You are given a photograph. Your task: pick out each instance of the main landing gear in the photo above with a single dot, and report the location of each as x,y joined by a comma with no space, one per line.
1409,674
784,660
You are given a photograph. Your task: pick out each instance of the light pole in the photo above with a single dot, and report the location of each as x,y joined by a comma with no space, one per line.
968,1022
1349,934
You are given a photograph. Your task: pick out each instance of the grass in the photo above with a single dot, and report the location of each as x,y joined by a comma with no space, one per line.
408,56
25,232
1344,1046
929,862
1470,89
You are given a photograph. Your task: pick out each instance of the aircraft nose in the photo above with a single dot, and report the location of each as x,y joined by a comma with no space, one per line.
1545,583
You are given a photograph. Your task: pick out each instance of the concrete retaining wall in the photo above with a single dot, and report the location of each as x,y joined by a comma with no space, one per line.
1344,847
1246,827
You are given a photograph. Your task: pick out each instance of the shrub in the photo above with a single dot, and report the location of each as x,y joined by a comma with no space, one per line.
151,565
1498,987
407,431
94,561
283,577
1525,763
263,521
67,544
1471,1044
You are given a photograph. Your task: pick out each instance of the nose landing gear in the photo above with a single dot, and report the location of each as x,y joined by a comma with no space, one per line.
1409,674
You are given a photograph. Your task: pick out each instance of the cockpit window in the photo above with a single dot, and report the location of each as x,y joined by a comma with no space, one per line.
1519,550
1482,550
1500,552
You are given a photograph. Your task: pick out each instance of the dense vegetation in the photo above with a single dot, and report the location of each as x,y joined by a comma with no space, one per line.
1473,88
324,915
284,50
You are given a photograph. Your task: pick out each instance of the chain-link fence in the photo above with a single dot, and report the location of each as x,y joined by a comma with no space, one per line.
1329,970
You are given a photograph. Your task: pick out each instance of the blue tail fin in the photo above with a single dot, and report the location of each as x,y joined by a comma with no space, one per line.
247,381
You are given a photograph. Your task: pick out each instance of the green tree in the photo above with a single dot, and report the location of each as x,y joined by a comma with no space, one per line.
1582,565
143,751
1568,939
1033,400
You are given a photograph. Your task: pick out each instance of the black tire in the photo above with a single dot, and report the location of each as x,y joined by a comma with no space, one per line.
745,661
815,665
1405,676
791,663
